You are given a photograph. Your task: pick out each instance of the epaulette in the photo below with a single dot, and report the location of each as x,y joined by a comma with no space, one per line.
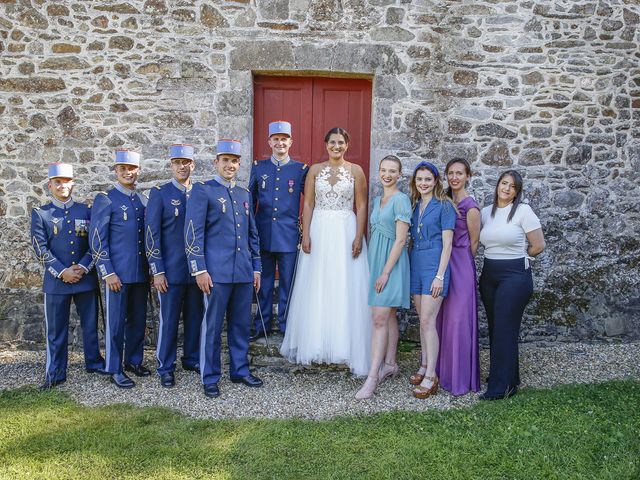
255,162
146,194
101,193
200,182
157,186
244,188
304,166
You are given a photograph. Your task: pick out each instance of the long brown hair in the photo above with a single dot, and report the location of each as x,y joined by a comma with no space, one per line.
517,184
438,189
464,163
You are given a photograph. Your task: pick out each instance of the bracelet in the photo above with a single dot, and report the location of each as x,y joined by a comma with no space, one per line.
440,277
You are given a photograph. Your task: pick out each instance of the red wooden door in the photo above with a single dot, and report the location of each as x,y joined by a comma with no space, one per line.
313,106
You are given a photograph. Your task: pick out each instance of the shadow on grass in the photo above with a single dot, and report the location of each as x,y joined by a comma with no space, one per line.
587,431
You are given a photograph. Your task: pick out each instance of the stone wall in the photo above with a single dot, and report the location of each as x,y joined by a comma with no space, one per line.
551,88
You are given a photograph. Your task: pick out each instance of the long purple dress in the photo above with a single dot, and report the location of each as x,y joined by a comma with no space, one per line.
458,363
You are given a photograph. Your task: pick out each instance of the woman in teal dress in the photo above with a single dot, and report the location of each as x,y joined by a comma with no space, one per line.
389,273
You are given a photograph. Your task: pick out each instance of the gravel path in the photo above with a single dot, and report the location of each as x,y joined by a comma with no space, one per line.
319,393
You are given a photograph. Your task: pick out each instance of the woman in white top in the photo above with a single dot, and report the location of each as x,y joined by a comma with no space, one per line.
512,236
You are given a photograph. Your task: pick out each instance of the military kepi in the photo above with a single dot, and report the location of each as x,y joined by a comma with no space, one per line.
280,127
181,151
60,170
127,157
229,147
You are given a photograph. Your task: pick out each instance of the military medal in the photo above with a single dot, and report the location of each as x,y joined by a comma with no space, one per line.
175,202
246,208
290,186
124,212
224,207
264,181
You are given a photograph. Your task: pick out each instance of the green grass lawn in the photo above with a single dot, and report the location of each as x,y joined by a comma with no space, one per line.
590,431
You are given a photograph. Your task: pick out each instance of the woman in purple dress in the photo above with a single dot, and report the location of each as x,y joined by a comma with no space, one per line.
457,324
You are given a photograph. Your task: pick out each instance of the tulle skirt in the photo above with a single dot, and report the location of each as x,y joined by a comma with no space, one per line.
329,320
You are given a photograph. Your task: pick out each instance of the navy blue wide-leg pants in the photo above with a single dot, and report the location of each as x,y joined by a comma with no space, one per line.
234,300
186,300
57,308
506,287
286,263
126,319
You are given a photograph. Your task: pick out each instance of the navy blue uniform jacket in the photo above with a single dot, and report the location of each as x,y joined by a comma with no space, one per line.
276,194
164,221
59,235
117,235
220,233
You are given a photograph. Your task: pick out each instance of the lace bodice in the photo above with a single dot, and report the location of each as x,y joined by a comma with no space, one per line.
334,189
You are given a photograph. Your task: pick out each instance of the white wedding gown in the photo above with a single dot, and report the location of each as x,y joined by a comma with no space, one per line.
329,319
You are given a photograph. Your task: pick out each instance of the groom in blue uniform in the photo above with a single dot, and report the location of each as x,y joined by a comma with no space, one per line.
222,247
59,234
117,244
177,289
276,185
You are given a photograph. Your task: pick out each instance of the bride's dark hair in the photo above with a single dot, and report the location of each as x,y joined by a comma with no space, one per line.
338,131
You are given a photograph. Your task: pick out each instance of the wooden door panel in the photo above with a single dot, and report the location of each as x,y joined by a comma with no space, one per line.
343,103
313,106
283,98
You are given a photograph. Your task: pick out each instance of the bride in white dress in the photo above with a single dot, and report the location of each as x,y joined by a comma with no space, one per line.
329,320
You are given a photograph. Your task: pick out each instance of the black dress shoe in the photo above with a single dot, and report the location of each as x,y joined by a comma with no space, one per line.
249,381
122,381
191,368
49,384
490,397
167,380
212,391
258,335
138,370
99,371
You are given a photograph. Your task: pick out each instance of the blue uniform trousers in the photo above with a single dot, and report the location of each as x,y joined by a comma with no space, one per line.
126,319
234,299
286,262
186,299
57,308
505,287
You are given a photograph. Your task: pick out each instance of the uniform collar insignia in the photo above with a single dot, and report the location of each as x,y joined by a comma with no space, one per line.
62,205
280,163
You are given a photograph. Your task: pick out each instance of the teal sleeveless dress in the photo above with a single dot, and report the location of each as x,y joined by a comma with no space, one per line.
383,233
